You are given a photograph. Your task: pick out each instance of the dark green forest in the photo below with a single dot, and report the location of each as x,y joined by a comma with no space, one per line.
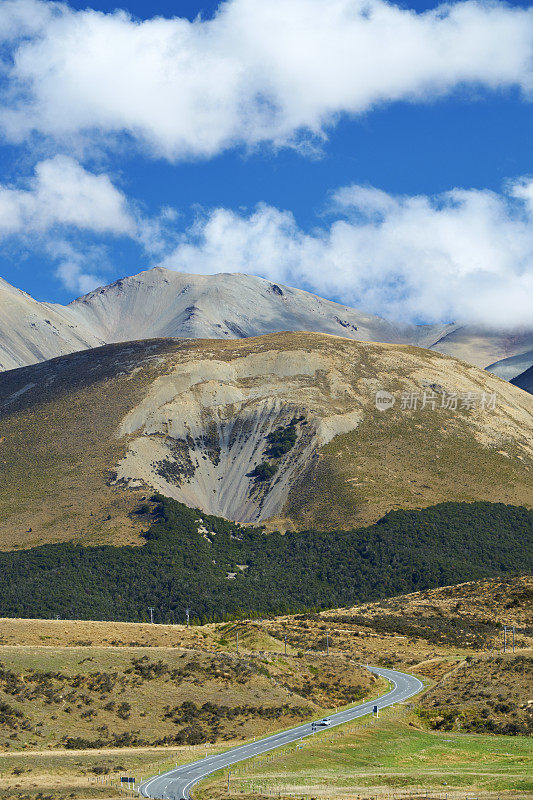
179,568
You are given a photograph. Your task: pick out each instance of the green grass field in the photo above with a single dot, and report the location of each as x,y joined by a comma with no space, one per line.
380,757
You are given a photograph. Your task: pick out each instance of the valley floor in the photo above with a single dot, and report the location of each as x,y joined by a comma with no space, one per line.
390,757
82,703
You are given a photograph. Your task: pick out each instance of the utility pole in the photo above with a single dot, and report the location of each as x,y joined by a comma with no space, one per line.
327,642
237,642
151,609
508,629
285,644
188,614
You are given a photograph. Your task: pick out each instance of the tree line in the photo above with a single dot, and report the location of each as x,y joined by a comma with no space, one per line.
237,571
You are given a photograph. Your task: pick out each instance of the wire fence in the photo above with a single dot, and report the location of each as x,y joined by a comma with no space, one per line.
325,793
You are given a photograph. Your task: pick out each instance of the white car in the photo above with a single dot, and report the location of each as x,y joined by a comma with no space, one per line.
325,721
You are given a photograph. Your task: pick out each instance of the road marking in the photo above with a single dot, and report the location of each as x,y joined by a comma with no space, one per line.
404,686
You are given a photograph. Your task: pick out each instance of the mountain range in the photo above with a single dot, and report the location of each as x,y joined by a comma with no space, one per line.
164,303
248,400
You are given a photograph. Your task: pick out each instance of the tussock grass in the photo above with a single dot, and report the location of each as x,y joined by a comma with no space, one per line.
87,697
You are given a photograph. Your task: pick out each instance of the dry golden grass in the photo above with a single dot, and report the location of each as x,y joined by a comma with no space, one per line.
71,633
220,637
87,697
504,600
423,631
56,452
490,694
85,774
406,462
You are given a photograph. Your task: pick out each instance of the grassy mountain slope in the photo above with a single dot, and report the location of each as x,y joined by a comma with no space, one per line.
85,697
84,437
486,695
427,631
57,446
499,600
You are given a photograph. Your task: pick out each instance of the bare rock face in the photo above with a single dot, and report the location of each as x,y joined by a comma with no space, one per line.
206,428
165,303
211,464
162,303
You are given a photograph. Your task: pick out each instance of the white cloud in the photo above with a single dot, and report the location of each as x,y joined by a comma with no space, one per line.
276,71
23,18
61,202
523,189
63,207
63,193
78,271
464,255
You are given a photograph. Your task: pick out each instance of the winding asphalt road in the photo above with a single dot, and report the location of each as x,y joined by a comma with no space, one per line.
177,783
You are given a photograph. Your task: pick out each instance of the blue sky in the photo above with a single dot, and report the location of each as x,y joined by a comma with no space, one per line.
359,209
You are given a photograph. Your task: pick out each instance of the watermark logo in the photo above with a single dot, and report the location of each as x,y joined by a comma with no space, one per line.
451,401
384,400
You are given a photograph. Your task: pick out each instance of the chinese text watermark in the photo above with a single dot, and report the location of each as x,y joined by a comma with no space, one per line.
451,401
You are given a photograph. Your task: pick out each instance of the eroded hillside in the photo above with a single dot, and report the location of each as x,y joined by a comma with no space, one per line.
280,428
